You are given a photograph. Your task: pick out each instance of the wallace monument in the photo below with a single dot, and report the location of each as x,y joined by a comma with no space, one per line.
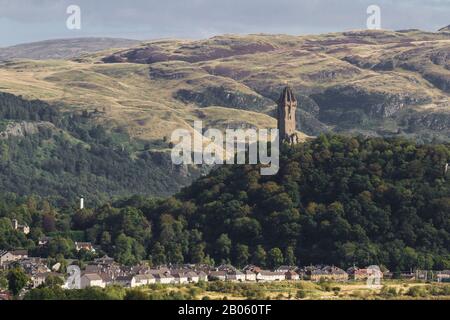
287,106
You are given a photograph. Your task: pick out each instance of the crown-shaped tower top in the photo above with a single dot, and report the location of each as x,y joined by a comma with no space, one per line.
287,106
287,96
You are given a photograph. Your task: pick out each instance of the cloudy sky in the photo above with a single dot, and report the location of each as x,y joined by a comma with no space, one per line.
33,20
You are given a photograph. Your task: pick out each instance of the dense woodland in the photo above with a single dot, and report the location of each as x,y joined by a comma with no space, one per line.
336,200
72,156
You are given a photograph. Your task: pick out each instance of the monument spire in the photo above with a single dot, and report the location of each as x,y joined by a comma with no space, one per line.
287,124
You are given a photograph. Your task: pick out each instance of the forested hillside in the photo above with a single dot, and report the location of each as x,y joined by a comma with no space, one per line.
336,200
61,156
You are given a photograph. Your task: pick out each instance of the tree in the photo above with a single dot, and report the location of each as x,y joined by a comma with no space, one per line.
53,281
223,248
259,256
275,258
158,254
123,249
290,259
242,255
17,280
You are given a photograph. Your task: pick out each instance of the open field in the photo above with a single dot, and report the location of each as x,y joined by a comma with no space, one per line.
303,290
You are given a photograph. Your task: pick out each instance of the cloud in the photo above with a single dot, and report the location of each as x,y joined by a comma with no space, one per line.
30,20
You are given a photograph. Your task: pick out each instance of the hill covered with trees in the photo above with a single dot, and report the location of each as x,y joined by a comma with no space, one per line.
62,155
336,200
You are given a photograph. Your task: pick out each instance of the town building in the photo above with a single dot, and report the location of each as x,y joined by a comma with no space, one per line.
84,246
24,228
292,275
327,273
235,276
91,280
269,276
7,257
140,280
250,275
443,276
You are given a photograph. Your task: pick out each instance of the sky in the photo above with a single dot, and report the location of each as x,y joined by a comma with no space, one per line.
24,21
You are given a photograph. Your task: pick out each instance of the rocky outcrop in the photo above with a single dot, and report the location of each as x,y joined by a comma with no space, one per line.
224,97
351,104
22,129
437,121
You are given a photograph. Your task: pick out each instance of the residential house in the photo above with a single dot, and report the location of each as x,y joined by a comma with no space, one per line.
202,276
164,278
269,276
443,276
40,278
91,280
226,268
33,265
180,278
84,246
217,275
43,241
140,280
286,268
24,228
105,260
5,295
124,281
235,276
357,274
93,268
328,273
193,277
12,256
410,276
250,275
292,275
107,279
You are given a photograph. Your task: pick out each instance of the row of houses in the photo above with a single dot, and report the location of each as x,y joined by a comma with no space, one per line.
105,271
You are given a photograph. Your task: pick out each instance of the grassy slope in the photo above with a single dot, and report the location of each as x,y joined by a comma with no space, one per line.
142,98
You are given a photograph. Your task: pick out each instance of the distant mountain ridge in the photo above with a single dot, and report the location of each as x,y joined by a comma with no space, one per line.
63,48
445,29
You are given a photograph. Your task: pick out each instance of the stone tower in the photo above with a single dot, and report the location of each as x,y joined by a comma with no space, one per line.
287,107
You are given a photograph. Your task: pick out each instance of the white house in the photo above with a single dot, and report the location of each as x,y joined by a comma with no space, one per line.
180,278
443,276
38,279
142,280
164,278
193,277
218,275
250,275
236,276
84,246
11,256
91,280
268,276
202,276
24,228
292,275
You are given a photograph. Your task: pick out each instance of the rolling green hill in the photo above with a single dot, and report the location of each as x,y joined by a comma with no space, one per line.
61,156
